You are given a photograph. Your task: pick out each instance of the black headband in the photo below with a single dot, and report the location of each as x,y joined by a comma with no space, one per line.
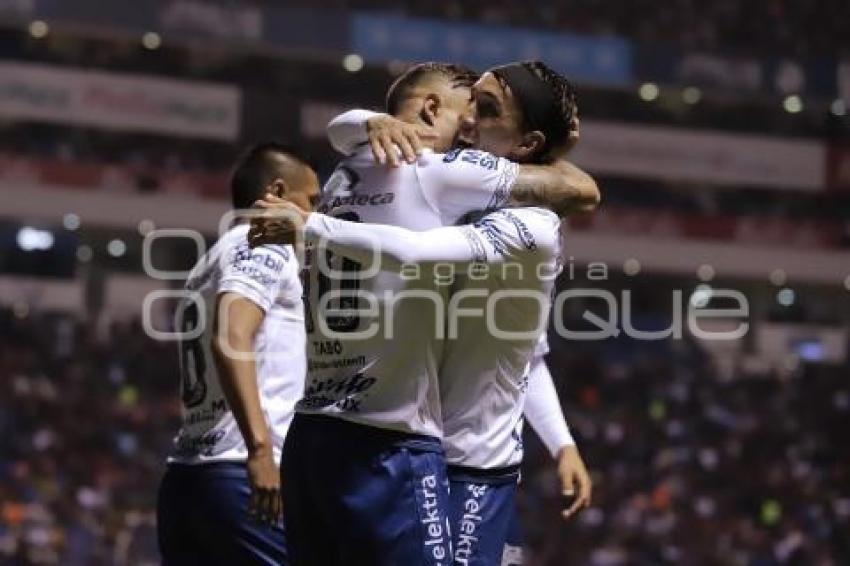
535,99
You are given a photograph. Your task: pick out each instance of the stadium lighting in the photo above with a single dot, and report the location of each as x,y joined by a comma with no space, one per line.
116,248
778,277
648,92
21,309
71,221
84,253
151,40
631,267
701,296
145,227
793,104
838,107
691,95
786,297
39,29
32,239
705,272
352,62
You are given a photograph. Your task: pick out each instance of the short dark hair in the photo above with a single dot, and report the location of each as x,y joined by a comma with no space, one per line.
459,75
255,169
566,99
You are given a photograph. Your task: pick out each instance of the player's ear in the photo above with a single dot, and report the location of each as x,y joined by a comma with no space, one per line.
279,188
530,146
430,108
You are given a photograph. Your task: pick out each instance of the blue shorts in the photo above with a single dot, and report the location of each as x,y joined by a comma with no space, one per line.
483,513
360,495
202,518
512,554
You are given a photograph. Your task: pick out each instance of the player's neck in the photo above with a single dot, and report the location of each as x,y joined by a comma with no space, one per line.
412,117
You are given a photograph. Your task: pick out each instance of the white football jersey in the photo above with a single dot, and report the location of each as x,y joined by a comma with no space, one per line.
379,367
484,374
267,276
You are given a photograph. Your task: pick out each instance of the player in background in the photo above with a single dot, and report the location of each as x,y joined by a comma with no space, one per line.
242,369
544,413
376,492
482,375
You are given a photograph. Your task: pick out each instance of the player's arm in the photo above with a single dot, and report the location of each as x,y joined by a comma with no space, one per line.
543,412
494,239
562,187
250,282
236,323
467,180
387,136
456,186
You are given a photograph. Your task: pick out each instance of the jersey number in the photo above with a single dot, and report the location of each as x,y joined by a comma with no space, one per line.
349,285
192,359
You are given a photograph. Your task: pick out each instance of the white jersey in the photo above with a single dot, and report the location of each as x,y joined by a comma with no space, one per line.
484,374
379,367
267,276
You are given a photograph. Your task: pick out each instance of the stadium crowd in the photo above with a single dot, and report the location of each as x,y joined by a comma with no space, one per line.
85,417
762,26
689,467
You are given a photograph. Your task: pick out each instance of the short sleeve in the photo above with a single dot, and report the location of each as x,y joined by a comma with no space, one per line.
257,274
465,180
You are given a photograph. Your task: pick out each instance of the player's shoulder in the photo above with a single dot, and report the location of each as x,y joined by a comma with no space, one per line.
459,159
362,157
235,249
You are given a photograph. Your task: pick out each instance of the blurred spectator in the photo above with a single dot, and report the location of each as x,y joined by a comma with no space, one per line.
775,27
689,468
84,423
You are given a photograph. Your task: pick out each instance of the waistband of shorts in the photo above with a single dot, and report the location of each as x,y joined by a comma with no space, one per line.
508,474
368,434
229,468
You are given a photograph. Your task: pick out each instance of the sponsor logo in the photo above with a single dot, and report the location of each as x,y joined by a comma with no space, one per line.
313,365
327,347
473,157
204,445
260,265
481,158
345,394
356,200
435,523
207,414
469,523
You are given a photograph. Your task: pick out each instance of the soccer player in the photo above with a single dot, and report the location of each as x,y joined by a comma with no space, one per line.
543,412
483,377
364,480
242,364
482,383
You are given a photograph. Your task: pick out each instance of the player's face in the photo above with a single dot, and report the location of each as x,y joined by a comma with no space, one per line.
492,121
307,196
454,103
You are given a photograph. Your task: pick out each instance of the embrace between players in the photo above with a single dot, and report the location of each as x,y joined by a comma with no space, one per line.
392,402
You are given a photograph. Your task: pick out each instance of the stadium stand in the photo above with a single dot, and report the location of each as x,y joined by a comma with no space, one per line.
701,454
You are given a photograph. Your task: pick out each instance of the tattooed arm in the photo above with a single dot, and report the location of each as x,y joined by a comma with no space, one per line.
562,187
